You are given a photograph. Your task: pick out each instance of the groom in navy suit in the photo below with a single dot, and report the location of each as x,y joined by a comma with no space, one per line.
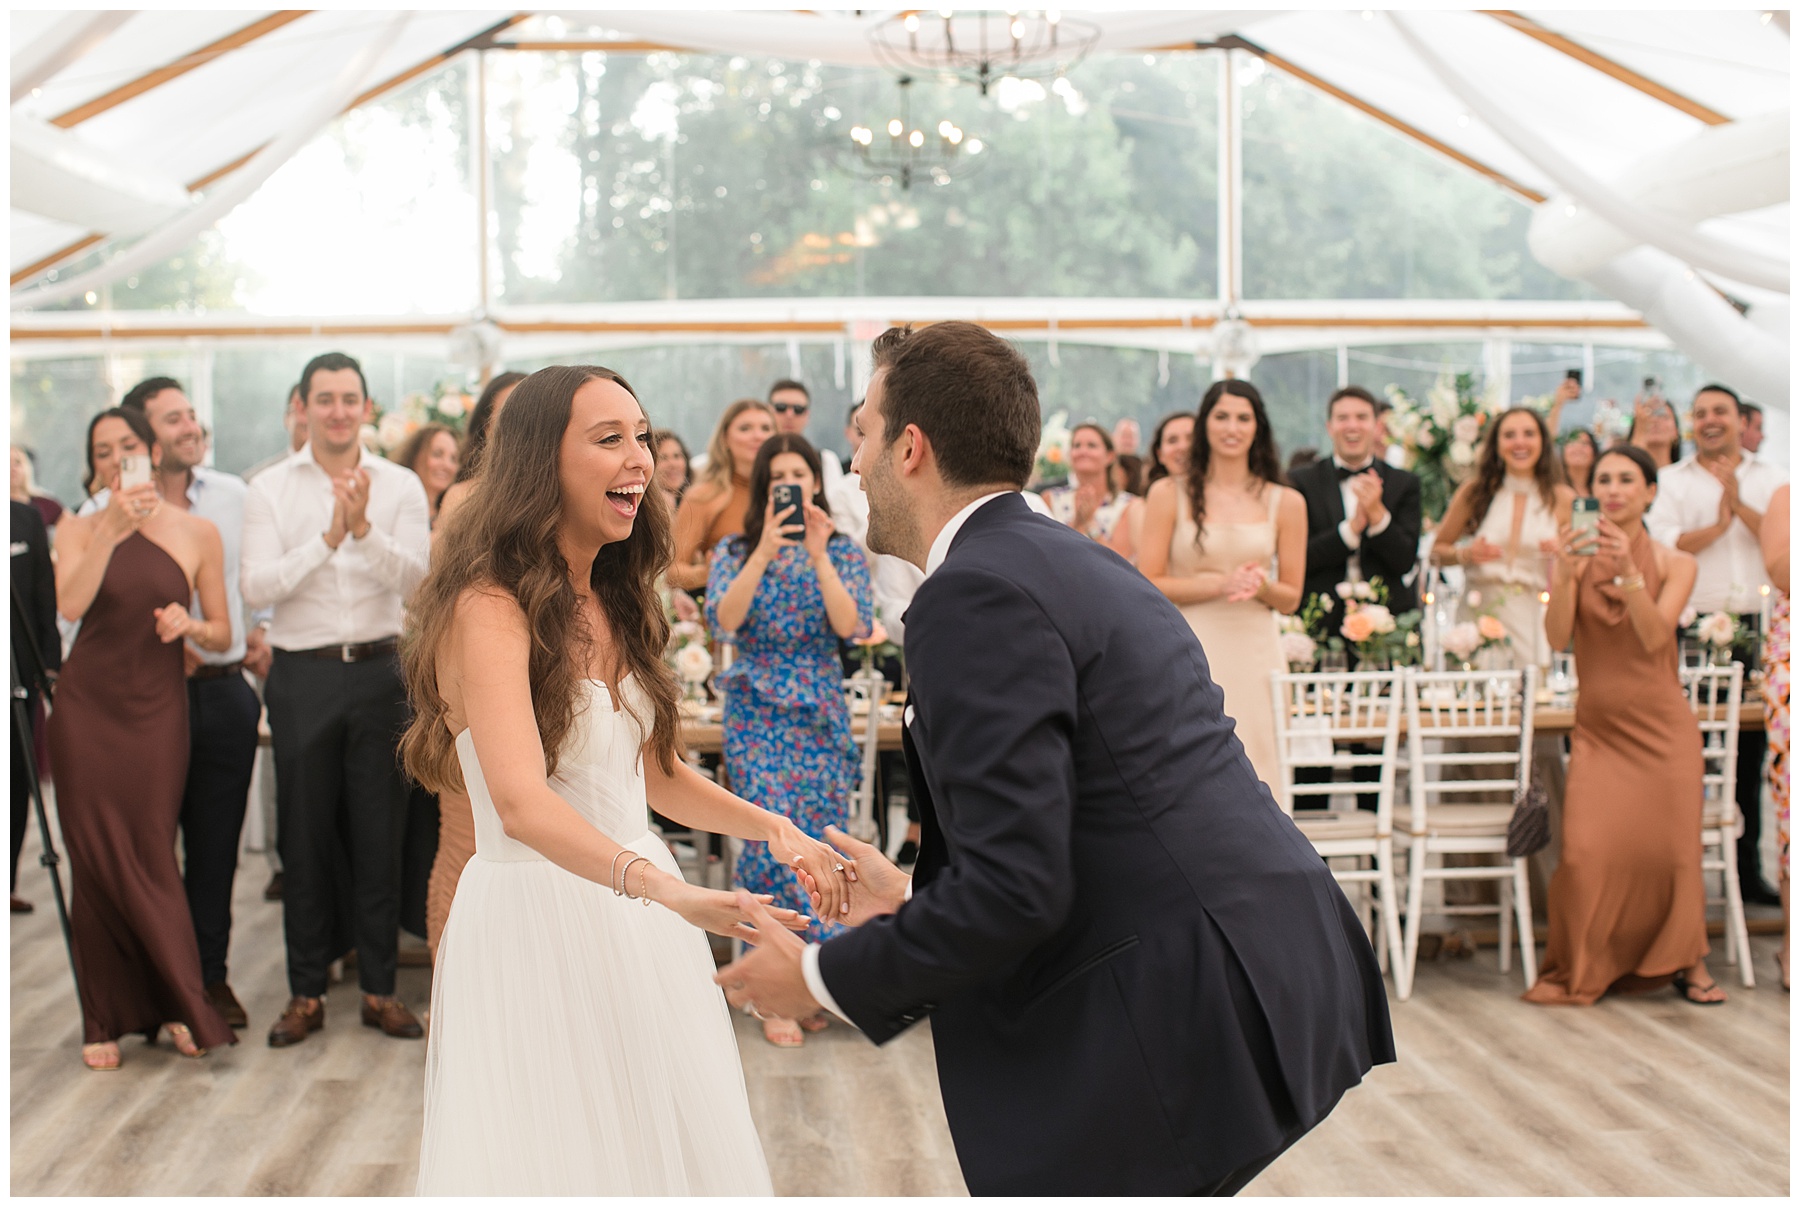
1141,978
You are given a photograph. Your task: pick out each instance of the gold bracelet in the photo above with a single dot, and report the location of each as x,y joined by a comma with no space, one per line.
1634,583
644,884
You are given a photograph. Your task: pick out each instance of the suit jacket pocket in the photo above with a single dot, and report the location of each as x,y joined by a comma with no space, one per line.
1082,969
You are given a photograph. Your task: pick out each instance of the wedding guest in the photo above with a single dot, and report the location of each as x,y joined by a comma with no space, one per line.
293,421
1125,436
673,475
24,488
223,709
1226,542
1579,448
1627,901
36,652
431,454
119,740
1128,475
791,402
787,603
1169,446
1567,391
1655,429
481,428
1501,528
334,540
714,507
1088,502
1711,505
1362,514
1776,687
1750,434
456,815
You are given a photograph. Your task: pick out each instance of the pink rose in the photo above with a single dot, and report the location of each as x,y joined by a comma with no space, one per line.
1358,627
1490,628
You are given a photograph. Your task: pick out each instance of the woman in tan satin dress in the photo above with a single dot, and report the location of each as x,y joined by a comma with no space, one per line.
1241,563
1627,903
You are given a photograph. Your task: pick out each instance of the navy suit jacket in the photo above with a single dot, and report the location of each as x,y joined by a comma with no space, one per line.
1140,975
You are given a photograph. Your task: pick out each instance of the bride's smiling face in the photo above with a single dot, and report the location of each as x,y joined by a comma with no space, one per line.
605,462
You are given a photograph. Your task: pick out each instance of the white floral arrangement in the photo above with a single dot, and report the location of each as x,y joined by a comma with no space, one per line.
1052,465
1440,435
1717,629
1463,641
1298,650
449,404
693,663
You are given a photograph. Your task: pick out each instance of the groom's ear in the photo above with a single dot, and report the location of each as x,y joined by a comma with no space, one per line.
915,449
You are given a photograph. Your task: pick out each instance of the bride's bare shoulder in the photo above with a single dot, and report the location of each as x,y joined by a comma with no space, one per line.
486,604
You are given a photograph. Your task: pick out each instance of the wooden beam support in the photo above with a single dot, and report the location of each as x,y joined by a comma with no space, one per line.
583,45
481,39
1606,66
177,69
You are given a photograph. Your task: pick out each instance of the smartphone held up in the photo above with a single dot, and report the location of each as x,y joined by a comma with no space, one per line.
1585,521
790,510
134,470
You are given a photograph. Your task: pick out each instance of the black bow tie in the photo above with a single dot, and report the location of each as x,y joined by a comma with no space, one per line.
1343,473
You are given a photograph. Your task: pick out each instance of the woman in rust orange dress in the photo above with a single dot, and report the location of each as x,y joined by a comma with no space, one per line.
1627,903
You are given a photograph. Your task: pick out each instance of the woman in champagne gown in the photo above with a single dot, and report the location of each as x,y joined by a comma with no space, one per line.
578,1044
1627,903
1233,574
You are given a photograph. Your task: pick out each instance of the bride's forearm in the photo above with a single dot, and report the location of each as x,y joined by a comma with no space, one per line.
549,825
693,800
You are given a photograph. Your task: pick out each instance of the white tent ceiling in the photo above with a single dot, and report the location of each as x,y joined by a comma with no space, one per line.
1588,115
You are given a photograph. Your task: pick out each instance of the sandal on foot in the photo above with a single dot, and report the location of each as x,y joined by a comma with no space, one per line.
783,1032
1687,989
102,1057
183,1039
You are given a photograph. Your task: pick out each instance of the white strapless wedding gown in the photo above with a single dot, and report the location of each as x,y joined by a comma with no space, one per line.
578,1045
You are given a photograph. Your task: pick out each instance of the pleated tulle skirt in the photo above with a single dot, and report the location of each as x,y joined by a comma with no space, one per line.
579,1047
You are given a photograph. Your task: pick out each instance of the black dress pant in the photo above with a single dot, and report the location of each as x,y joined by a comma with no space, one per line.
21,787
1753,744
336,728
222,716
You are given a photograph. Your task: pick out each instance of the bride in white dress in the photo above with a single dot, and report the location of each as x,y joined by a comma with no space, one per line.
578,1044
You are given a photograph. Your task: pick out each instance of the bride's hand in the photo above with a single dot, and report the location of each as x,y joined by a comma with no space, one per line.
879,889
719,912
829,873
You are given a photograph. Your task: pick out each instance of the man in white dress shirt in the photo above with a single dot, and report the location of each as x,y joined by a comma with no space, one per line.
1711,504
335,540
222,708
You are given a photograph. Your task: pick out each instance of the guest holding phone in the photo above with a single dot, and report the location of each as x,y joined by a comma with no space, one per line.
119,743
787,592
1627,902
1579,448
1655,427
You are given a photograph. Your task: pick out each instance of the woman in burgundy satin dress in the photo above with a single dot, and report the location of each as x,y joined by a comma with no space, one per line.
119,743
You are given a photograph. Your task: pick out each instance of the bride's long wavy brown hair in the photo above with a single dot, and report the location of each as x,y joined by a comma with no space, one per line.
504,536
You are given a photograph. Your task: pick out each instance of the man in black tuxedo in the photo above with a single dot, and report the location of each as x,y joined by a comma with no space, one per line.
1141,978
1359,509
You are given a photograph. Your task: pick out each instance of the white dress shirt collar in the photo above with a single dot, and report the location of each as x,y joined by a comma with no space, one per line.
940,548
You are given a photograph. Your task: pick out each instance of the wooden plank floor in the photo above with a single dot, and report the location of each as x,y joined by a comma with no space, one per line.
1490,1096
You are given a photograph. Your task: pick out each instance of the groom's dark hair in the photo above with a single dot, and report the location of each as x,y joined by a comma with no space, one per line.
972,395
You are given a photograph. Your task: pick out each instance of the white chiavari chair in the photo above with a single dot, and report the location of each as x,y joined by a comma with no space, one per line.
866,689
1462,726
1716,695
1329,721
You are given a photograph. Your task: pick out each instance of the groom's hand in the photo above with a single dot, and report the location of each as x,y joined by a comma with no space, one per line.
879,887
769,978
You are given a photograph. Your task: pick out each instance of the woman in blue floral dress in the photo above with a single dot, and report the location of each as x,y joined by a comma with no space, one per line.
786,604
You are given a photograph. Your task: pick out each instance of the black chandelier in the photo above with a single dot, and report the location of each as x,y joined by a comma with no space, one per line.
981,47
900,151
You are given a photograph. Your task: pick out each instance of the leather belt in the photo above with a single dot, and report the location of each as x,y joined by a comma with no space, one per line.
208,670
361,652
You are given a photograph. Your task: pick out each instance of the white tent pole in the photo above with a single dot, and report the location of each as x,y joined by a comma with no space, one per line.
1231,186
179,232
1761,269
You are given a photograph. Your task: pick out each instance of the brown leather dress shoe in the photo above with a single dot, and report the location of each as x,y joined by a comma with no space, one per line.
392,1017
303,1016
225,1002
